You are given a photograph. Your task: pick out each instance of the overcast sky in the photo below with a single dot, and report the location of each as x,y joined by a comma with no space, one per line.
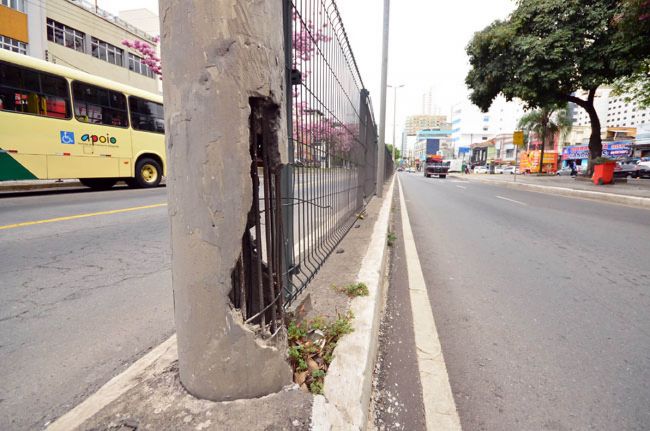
427,45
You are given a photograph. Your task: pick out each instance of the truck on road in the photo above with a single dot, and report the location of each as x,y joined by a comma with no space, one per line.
435,166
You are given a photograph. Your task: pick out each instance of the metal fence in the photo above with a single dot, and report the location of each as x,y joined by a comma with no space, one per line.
302,210
332,170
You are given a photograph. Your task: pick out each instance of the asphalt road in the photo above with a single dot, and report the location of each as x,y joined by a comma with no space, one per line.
80,299
541,304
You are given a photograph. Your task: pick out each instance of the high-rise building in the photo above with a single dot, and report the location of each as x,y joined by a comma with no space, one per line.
415,123
613,111
470,125
75,33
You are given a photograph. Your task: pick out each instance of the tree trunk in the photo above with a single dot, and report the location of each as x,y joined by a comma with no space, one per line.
544,132
595,141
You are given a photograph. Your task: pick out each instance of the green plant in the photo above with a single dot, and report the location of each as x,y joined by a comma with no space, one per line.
556,51
602,160
356,289
311,348
316,388
391,239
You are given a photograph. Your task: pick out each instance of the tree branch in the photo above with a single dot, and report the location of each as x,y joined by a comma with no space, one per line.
578,101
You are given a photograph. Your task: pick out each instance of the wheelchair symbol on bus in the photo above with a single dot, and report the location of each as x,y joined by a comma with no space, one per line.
67,137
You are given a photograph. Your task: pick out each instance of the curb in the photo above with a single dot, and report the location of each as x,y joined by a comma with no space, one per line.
44,186
348,383
634,201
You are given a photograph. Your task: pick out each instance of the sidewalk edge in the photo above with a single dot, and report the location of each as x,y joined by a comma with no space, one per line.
161,357
634,201
348,384
32,187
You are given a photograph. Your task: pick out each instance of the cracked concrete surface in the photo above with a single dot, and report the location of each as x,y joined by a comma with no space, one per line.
79,300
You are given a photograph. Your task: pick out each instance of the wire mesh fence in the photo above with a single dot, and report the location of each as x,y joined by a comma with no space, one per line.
332,170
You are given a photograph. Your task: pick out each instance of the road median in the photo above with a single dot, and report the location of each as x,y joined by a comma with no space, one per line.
616,198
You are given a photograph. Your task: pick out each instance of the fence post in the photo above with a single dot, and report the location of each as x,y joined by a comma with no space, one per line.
223,75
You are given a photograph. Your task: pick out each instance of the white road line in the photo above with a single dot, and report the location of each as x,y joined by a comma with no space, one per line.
461,187
511,200
439,406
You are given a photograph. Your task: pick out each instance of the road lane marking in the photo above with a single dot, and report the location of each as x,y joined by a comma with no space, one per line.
78,216
439,407
512,200
461,187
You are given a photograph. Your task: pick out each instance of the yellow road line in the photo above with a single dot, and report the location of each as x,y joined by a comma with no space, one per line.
78,216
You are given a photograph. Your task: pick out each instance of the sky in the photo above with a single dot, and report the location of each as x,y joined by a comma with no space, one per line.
427,46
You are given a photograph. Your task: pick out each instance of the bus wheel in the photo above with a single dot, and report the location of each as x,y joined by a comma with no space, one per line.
148,173
98,183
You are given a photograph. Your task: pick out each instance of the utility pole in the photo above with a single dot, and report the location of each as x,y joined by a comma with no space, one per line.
395,88
222,76
382,109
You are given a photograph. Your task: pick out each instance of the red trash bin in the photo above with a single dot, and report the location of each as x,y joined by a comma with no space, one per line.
604,173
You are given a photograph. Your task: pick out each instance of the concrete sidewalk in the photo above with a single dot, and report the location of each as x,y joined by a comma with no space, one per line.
18,186
635,192
149,394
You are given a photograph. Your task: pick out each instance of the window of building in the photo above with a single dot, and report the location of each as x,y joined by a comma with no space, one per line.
146,115
67,36
19,5
97,105
107,52
136,65
13,45
31,92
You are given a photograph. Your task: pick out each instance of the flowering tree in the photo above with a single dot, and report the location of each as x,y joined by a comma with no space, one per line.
149,56
310,126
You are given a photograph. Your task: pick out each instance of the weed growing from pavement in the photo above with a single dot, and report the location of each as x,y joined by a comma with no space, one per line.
311,349
391,238
355,289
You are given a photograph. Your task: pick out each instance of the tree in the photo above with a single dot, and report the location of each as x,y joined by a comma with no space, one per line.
548,51
148,53
398,153
545,123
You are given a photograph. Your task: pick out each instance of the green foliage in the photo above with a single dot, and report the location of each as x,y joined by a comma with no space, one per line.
398,153
356,289
391,239
603,160
316,388
547,121
312,344
548,50
635,87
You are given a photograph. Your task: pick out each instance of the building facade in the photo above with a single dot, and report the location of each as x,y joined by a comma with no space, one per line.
76,34
614,111
471,126
415,123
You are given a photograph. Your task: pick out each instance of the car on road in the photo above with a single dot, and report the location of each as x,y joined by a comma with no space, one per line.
411,170
499,169
566,171
481,170
625,168
510,170
641,171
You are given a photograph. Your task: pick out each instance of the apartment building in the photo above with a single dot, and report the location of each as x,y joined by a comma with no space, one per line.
76,34
614,111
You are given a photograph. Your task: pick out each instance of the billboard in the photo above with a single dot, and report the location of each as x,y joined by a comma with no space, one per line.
433,146
610,149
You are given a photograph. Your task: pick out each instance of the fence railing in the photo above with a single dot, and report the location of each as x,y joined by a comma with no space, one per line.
302,210
333,139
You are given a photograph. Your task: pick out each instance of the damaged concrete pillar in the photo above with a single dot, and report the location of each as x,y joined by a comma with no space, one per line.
218,55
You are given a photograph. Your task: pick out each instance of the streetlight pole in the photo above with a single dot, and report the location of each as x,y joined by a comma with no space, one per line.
382,108
395,88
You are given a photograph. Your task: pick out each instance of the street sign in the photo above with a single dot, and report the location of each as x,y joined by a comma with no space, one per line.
518,138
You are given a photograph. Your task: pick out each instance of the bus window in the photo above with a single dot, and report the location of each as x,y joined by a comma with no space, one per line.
98,105
31,92
146,115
